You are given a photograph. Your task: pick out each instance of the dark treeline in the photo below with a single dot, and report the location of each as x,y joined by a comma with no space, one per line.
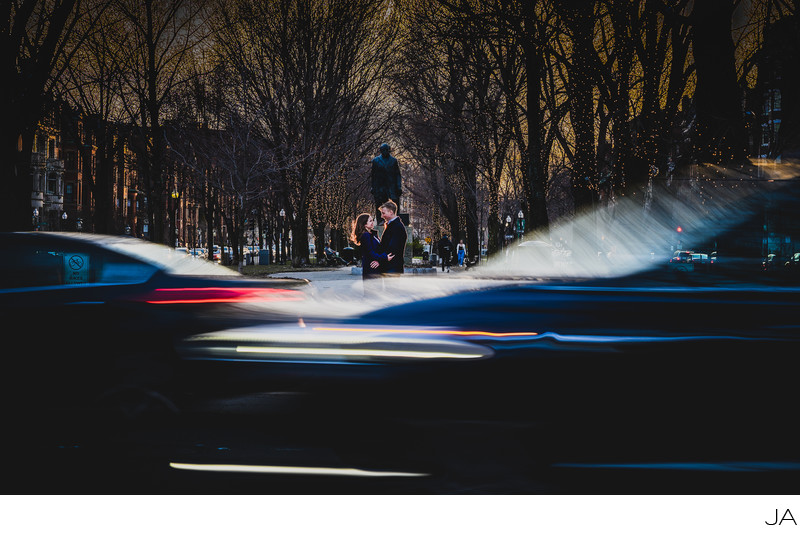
255,107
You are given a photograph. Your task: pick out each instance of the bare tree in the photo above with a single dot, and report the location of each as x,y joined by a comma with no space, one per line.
313,71
39,38
720,134
432,89
226,169
460,89
156,44
89,85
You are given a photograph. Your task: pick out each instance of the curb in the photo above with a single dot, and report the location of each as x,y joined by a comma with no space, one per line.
356,271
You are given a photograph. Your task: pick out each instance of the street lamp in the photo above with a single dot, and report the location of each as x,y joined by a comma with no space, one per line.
481,243
282,251
64,219
35,219
175,201
520,224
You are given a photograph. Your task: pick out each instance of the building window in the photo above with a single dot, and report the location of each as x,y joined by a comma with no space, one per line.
71,161
52,183
51,149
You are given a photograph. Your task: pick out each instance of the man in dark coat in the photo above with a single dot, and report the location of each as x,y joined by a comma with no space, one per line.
393,240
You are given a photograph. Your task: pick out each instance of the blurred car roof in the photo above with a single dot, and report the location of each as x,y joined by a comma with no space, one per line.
170,260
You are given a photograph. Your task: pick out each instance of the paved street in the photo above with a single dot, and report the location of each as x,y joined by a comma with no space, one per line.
344,284
340,279
350,276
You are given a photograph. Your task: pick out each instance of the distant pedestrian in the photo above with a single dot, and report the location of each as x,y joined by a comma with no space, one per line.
445,252
461,248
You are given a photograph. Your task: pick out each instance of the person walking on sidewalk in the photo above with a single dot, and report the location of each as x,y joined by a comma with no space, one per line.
445,252
461,248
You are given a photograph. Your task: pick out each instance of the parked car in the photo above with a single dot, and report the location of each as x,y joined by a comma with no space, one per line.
771,263
681,261
701,262
793,264
692,261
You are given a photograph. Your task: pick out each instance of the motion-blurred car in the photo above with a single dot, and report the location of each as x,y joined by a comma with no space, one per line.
641,379
650,379
94,316
564,378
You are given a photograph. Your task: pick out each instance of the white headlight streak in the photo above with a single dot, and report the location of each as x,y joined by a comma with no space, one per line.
335,345
295,470
352,352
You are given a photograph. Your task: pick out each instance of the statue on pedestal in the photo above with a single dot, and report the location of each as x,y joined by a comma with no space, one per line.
386,180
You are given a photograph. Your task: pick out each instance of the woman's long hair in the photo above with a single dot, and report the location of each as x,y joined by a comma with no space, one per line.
359,227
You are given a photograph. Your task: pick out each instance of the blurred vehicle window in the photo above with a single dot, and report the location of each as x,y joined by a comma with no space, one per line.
29,267
48,263
115,270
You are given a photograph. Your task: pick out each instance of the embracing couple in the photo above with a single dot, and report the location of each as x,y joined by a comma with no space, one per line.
383,256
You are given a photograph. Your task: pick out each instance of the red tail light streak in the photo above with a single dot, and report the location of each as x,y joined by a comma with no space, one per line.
216,295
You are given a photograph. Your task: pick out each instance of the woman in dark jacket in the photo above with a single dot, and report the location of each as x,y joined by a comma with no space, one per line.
371,257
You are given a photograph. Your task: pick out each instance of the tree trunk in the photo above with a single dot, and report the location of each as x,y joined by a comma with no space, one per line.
319,238
103,221
620,128
579,19
720,133
26,80
299,225
535,204
16,213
